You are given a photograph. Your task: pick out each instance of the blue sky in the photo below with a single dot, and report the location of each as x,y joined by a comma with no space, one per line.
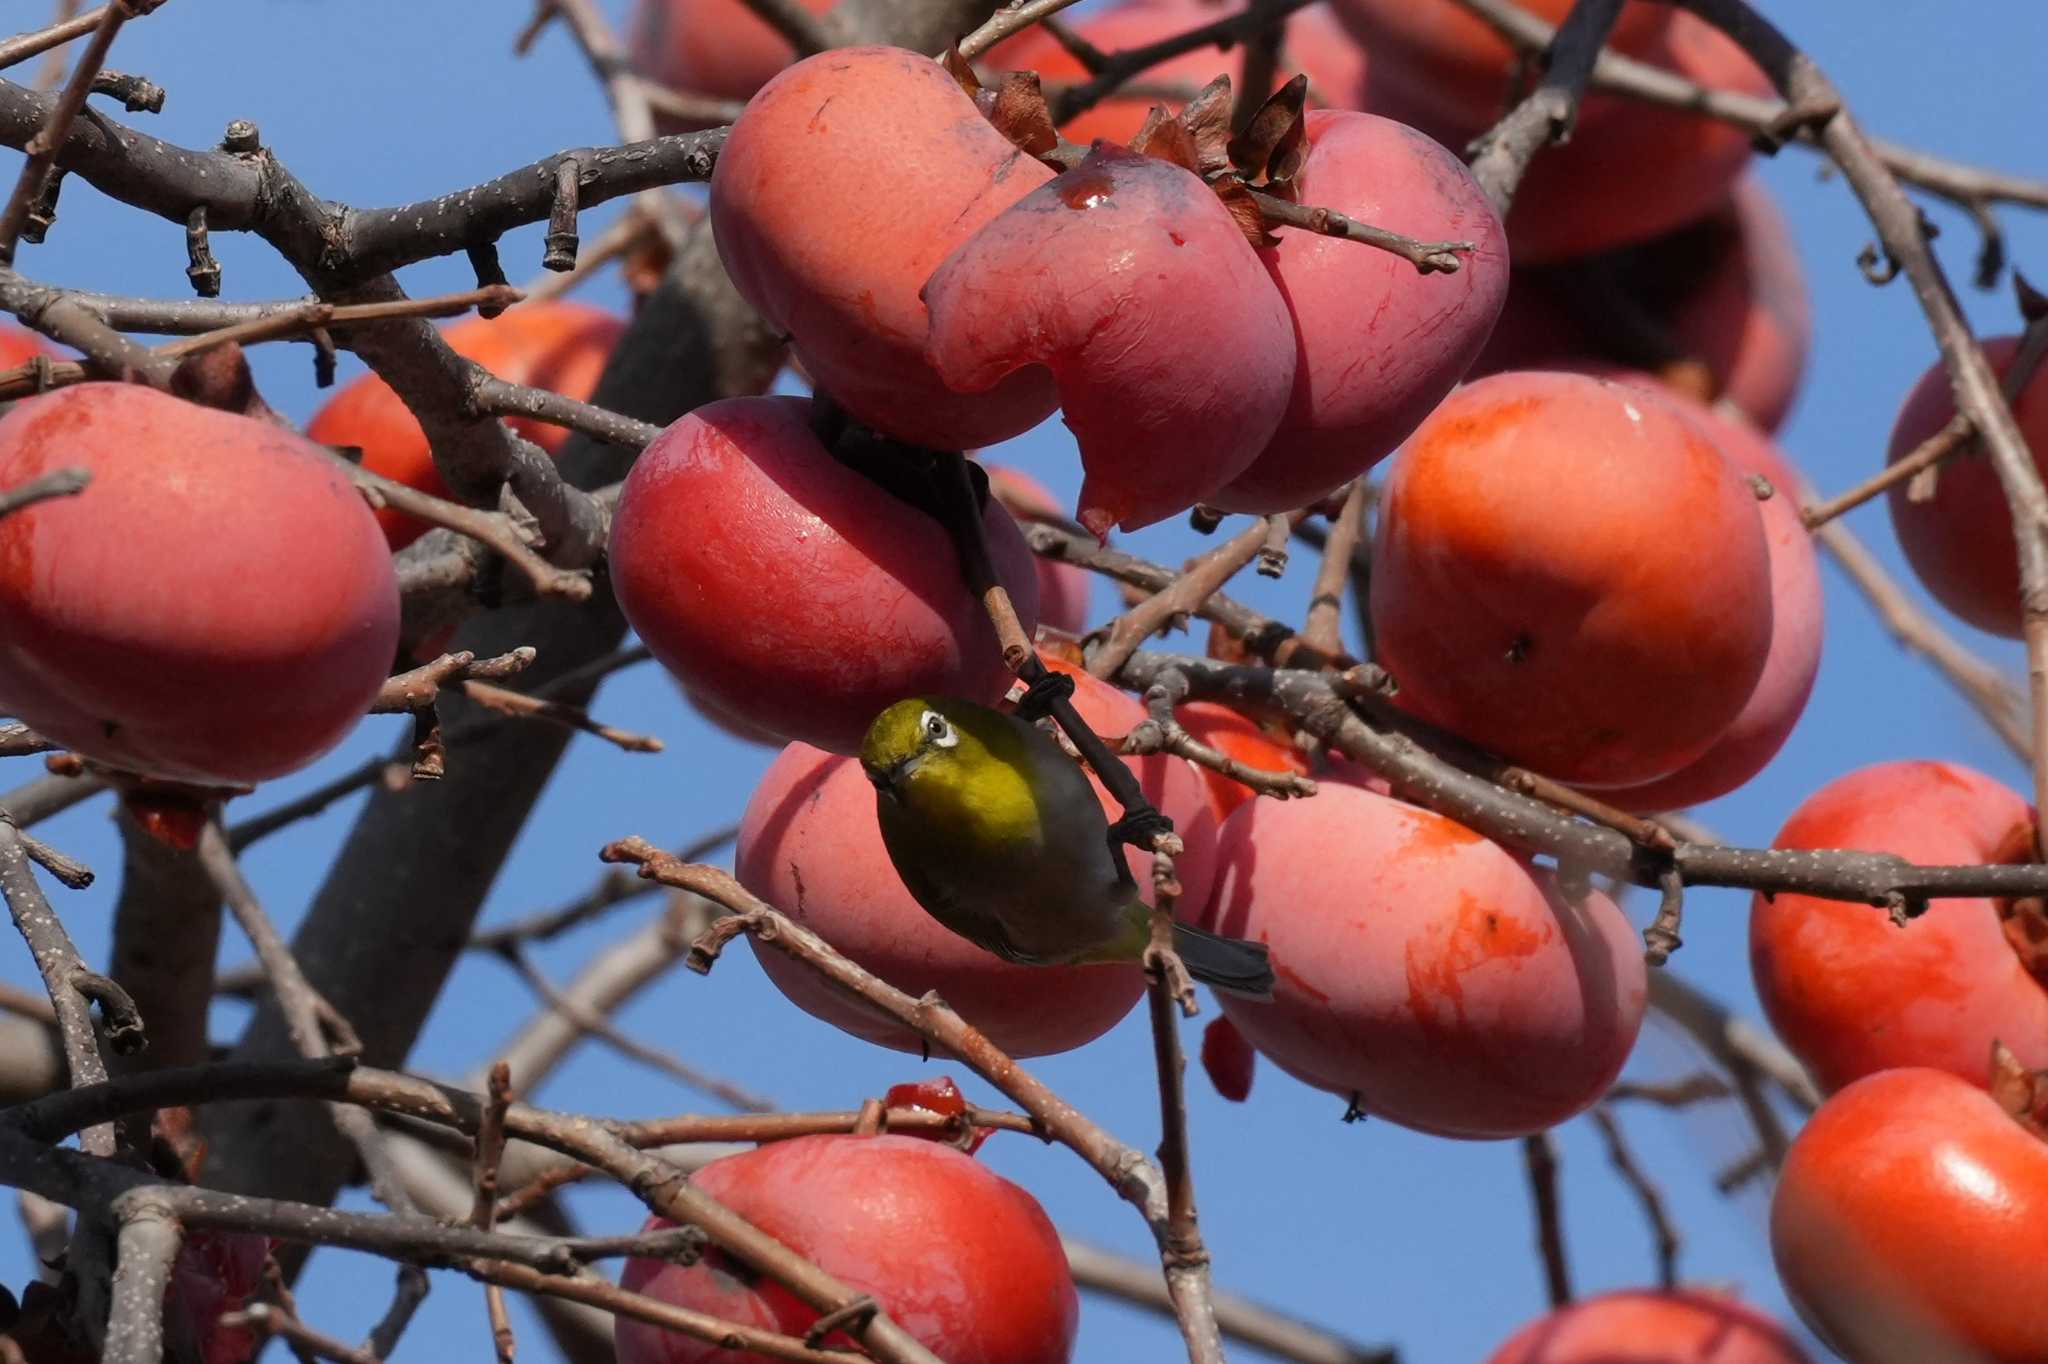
1380,1233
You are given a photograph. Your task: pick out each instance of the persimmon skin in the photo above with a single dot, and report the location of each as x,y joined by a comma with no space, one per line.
1797,609
19,345
847,179
1630,172
1063,589
1849,992
1906,1224
1236,736
959,1257
1377,345
708,47
1424,973
1449,66
1960,540
810,846
1728,290
554,345
215,1274
791,593
1645,1326
133,629
1567,572
1129,281
1313,44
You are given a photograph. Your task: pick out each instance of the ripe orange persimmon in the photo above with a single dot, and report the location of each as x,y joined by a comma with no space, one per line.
554,345
1907,1220
959,1257
1852,993
1568,572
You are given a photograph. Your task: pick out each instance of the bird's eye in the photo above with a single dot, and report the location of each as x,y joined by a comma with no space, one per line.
940,733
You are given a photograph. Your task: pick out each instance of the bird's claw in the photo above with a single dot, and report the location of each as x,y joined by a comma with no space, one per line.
1042,693
1140,827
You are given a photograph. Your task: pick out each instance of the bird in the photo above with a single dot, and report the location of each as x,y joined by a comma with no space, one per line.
997,833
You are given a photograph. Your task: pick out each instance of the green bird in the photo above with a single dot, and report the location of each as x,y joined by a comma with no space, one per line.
998,834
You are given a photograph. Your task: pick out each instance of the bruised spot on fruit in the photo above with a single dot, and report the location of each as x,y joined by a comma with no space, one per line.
1519,647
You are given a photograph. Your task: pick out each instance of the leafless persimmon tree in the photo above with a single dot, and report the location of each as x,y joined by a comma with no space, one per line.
467,1176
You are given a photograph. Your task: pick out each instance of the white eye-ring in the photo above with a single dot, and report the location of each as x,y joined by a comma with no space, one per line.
941,733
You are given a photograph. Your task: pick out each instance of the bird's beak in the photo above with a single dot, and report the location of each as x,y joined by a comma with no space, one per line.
888,781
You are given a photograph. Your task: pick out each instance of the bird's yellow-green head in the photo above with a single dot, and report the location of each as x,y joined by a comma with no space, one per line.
909,735
927,743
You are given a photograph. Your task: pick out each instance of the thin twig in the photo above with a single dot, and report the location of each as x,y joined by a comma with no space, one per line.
1501,156
1539,1155
1953,439
68,25
490,1150
1661,1229
1427,257
1322,628
42,149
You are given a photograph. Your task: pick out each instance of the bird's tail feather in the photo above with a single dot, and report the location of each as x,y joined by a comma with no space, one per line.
1231,965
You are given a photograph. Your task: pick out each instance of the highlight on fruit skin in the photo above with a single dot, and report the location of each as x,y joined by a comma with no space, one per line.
1905,1221
132,630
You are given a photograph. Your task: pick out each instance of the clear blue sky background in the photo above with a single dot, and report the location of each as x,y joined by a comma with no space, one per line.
1375,1231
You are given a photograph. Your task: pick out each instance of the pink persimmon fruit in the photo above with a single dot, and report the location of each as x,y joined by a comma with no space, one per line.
1129,280
848,178
708,47
810,846
1652,1326
1312,43
792,594
1063,589
218,606
1426,975
1377,345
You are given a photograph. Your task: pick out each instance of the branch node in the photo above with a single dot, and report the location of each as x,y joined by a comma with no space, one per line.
483,259
560,244
242,138
42,214
203,270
